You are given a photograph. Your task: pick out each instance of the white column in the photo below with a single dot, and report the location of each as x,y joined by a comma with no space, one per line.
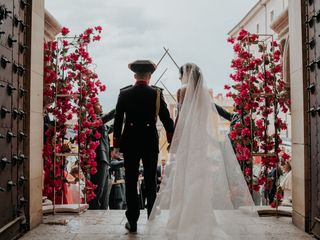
36,114
299,143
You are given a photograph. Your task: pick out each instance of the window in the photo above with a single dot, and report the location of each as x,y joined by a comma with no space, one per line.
258,28
272,16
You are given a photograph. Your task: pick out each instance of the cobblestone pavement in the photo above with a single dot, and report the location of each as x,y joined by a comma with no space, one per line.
105,225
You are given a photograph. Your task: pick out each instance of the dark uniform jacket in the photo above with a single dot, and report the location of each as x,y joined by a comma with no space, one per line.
136,107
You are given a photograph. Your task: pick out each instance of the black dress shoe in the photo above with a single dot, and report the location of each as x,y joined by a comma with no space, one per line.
131,227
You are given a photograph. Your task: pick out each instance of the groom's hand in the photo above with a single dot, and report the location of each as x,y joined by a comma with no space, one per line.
115,154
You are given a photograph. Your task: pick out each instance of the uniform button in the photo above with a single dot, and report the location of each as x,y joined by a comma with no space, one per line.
131,124
148,124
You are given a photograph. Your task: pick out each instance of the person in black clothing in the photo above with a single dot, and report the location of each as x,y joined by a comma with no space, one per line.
140,105
47,122
101,201
117,194
231,117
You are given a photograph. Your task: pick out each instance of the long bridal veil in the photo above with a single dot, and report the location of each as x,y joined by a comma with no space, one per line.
203,185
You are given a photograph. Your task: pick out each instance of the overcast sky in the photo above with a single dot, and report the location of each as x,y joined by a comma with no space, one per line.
193,30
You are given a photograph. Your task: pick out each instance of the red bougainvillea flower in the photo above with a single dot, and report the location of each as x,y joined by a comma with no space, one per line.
233,135
238,126
237,48
285,156
231,40
96,38
98,28
277,69
229,94
248,171
256,187
97,135
65,43
102,88
273,204
253,37
64,31
243,33
88,31
259,123
277,55
93,170
247,120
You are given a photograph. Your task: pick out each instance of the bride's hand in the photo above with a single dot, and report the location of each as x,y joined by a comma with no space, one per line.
168,148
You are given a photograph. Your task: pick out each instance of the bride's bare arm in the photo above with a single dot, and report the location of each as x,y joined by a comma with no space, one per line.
180,95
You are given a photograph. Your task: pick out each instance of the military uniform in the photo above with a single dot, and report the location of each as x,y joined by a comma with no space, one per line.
137,109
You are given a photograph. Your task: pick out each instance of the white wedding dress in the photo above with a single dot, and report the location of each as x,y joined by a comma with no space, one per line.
203,195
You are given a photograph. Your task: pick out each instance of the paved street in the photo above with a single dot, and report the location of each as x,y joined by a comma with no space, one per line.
107,225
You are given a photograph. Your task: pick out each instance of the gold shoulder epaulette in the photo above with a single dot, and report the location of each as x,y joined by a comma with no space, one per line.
156,87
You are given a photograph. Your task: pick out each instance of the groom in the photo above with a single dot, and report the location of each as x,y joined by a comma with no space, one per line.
138,107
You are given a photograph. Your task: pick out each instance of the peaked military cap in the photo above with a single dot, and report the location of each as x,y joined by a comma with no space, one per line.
142,66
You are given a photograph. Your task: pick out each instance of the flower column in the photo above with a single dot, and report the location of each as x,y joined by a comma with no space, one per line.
259,94
71,90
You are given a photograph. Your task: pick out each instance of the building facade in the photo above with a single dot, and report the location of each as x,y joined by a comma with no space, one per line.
223,124
295,24
261,17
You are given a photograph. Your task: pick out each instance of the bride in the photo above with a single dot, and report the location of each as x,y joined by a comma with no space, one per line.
202,192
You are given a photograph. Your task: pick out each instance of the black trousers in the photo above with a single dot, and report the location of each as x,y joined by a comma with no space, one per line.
131,164
101,180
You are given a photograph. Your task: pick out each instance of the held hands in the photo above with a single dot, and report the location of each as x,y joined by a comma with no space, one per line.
115,154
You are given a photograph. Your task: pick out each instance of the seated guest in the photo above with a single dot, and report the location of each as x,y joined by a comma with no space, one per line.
286,184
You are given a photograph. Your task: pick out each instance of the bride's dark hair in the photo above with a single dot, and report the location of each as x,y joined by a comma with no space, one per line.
191,67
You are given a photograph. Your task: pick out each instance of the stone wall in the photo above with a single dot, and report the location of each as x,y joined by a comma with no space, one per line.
36,114
300,176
